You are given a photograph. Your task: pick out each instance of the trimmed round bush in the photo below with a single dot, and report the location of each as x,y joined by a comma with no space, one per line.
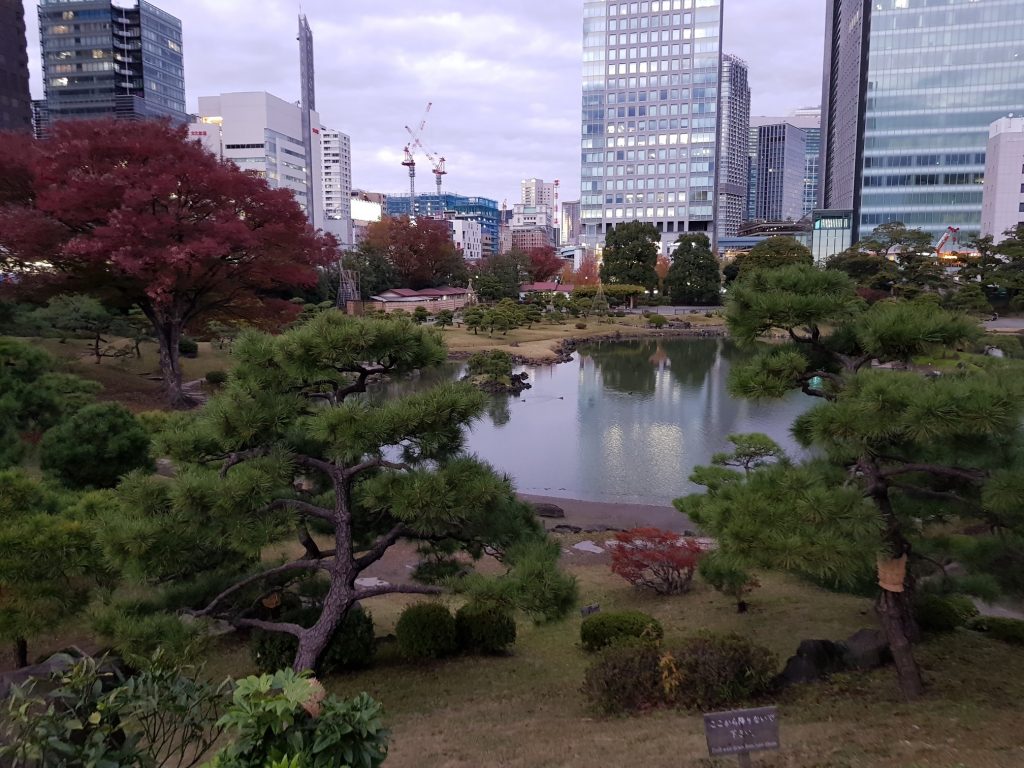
581,326
95,447
1008,630
188,347
216,378
657,321
943,613
352,646
625,678
487,629
426,631
712,671
604,629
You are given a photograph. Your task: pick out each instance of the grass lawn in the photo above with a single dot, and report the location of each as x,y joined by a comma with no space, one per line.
525,710
539,342
134,382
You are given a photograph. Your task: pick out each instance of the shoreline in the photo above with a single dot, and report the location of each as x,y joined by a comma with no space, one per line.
611,515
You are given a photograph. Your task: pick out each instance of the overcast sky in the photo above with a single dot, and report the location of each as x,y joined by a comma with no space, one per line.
503,77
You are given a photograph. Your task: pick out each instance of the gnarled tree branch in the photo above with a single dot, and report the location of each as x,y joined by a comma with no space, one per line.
376,552
298,565
396,589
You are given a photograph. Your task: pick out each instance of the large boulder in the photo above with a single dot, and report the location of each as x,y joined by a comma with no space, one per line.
814,660
548,510
866,649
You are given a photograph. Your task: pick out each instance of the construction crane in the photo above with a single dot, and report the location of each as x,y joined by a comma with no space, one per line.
952,233
409,160
437,165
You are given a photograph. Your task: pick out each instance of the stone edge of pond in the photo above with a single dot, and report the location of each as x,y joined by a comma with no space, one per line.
563,351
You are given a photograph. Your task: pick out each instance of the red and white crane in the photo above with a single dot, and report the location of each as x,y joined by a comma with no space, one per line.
409,160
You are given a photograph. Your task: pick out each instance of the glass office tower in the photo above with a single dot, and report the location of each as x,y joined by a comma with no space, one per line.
932,78
106,60
732,155
650,108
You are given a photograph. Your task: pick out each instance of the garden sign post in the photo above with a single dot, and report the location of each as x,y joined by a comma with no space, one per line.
741,732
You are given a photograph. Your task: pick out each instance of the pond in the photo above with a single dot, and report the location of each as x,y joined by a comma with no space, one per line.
623,421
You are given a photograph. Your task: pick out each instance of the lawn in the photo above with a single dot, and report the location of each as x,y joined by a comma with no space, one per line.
525,710
134,382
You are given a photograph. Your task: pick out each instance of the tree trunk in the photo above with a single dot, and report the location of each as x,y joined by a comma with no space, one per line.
21,652
314,640
96,348
168,334
894,611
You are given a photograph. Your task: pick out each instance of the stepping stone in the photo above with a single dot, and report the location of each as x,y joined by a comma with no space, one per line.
371,581
588,546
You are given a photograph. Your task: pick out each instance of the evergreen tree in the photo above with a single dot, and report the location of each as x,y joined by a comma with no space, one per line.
630,255
694,277
286,449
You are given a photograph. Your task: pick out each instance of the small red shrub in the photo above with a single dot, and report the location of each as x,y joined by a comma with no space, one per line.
655,559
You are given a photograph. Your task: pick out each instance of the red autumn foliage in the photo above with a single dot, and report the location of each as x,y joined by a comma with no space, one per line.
662,561
588,273
137,215
422,253
544,263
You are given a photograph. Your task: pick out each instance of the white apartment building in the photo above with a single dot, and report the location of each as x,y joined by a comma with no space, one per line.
532,216
537,192
262,134
1002,205
468,238
337,184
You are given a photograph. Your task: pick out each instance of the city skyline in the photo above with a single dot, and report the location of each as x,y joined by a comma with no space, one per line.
504,84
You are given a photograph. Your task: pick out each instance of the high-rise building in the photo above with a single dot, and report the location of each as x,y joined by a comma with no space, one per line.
779,151
15,100
733,162
453,206
307,105
650,116
537,192
467,236
570,222
910,88
106,60
264,135
337,184
809,119
1003,201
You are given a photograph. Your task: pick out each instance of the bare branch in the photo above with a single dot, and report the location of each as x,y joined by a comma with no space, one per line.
959,473
298,565
329,469
238,457
396,589
373,464
376,552
304,507
269,626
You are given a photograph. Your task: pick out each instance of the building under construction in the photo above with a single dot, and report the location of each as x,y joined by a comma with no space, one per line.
450,205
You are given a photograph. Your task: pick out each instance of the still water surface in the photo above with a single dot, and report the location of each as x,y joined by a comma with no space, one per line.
624,421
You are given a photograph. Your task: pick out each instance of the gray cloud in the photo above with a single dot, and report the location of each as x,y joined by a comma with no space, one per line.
503,77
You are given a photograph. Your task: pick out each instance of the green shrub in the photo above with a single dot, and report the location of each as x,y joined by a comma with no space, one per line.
216,378
604,629
711,671
136,633
420,314
482,628
426,631
154,422
95,447
351,647
581,326
625,678
1008,630
943,613
286,719
188,347
437,570
657,321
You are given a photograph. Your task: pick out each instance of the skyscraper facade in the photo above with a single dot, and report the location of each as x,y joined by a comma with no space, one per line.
735,128
537,192
307,103
106,60
779,160
337,184
809,119
1003,204
570,222
263,135
911,87
650,116
15,100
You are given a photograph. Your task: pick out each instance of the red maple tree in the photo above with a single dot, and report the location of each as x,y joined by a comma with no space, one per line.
659,560
588,273
421,252
137,215
544,263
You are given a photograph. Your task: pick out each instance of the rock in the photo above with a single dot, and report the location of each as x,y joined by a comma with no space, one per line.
866,649
566,529
589,547
814,660
208,627
548,510
601,529
165,467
